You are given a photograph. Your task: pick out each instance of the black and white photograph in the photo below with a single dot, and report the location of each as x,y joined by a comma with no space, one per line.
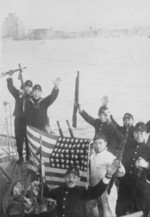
74,108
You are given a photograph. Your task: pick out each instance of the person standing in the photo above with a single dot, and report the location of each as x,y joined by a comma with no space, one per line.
21,98
133,195
36,107
128,125
103,124
71,198
100,160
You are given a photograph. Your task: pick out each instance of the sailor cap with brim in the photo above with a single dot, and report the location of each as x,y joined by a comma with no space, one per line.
28,83
100,136
128,116
73,170
37,87
140,126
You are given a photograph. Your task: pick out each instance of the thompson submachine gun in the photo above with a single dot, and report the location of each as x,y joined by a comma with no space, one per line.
12,71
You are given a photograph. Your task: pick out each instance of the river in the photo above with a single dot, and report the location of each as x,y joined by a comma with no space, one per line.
117,67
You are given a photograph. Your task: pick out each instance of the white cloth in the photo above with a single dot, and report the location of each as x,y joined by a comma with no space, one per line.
98,167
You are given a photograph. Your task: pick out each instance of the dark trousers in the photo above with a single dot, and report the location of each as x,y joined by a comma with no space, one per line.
21,137
131,196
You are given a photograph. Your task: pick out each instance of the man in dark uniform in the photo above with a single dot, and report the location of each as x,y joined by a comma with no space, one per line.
104,124
128,126
148,126
21,97
36,107
71,198
132,195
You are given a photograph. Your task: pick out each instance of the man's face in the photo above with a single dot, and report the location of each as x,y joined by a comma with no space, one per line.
37,94
128,122
139,136
28,89
100,145
104,116
71,180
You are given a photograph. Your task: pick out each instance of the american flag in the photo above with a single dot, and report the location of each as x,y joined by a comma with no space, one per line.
58,153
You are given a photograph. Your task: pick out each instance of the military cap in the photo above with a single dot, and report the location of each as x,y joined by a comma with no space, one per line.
73,169
28,83
102,109
140,126
37,87
100,136
128,116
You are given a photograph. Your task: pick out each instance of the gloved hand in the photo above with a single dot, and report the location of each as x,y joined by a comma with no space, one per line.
112,168
141,163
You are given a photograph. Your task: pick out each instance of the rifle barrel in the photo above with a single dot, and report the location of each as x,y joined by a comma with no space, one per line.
60,130
70,130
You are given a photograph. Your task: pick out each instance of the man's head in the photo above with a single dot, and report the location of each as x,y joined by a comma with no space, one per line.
100,143
72,177
28,86
103,114
128,120
139,133
37,91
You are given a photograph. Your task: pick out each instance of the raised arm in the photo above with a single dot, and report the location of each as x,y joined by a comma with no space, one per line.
98,189
11,87
86,116
52,97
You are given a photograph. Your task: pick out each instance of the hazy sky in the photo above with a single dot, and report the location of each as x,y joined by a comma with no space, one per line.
78,14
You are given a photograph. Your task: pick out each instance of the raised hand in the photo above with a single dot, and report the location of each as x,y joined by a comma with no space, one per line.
57,82
105,101
11,72
79,106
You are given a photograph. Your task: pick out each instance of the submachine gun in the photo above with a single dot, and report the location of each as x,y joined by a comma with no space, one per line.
119,159
12,71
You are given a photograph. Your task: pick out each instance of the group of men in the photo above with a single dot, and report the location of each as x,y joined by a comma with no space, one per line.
30,109
129,192
133,185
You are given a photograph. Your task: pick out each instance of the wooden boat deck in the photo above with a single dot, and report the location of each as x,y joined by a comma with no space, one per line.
15,172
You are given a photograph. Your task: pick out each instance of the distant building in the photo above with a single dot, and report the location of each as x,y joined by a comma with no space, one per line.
13,28
37,34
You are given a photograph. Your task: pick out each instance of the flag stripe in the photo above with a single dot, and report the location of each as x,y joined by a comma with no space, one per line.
53,148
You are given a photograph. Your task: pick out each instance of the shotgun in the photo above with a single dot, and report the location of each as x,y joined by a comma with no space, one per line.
119,158
76,101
